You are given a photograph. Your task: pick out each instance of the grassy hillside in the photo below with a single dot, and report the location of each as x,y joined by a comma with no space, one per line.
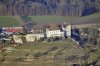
8,21
23,55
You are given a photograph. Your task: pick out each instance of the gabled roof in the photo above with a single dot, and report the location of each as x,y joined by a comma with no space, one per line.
53,27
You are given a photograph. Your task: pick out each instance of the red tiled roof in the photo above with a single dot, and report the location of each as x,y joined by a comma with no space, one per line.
14,29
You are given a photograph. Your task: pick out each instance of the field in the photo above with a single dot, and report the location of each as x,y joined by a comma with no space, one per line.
14,21
59,53
8,21
94,18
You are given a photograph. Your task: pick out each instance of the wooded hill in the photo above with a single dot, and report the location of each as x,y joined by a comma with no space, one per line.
49,7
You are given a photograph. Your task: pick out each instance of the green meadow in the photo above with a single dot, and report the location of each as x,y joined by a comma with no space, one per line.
13,21
6,21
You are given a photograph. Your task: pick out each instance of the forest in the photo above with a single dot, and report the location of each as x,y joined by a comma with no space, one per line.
49,7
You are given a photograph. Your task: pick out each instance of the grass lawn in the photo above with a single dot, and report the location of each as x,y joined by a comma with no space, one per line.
60,19
6,21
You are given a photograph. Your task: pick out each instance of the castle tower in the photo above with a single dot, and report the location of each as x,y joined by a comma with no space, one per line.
67,29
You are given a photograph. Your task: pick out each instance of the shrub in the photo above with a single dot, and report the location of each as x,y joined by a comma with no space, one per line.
37,54
52,48
18,59
93,50
27,54
45,53
2,59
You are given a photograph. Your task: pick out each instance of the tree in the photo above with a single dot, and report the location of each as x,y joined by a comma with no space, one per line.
46,7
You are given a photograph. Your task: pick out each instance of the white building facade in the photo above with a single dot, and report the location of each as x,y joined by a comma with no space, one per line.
53,33
59,33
